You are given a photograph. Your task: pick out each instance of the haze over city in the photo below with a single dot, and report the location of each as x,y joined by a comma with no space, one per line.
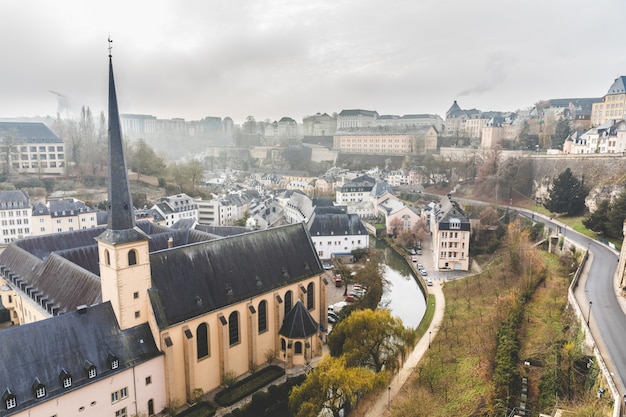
276,58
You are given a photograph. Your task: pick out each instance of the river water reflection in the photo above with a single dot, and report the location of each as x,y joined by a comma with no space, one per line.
402,295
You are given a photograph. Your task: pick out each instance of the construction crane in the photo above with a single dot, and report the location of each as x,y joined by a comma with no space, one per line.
63,103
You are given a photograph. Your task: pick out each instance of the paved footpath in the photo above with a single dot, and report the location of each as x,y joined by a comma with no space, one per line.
382,404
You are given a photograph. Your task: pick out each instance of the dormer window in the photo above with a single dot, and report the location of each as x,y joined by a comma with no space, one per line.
113,361
39,388
90,369
9,399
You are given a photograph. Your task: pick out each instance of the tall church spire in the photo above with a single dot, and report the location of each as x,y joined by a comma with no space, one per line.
121,219
120,205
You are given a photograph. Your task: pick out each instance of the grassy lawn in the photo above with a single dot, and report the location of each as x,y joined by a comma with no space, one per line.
428,316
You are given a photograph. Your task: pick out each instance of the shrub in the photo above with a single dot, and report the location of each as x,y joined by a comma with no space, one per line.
201,409
249,385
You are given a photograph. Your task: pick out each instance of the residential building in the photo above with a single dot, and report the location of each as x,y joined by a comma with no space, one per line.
177,207
395,213
451,231
80,363
455,120
336,232
417,140
355,191
15,215
65,215
33,148
612,105
171,311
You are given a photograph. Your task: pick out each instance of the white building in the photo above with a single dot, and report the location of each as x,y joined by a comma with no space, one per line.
177,207
33,148
15,215
334,231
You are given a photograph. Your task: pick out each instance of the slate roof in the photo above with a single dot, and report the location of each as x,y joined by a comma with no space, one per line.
327,221
222,231
191,280
447,211
298,323
381,188
454,110
25,132
45,348
618,86
62,208
64,268
11,199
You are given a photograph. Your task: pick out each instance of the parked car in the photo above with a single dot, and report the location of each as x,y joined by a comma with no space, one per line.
338,282
327,266
414,258
419,251
420,267
429,282
423,272
350,298
332,318
413,252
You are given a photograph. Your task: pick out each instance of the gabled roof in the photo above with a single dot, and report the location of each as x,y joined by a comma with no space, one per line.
196,279
24,132
298,323
381,188
44,349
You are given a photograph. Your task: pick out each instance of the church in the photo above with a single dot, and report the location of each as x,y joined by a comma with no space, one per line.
133,318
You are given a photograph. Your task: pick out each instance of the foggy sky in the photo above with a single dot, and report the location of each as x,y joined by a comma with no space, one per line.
275,58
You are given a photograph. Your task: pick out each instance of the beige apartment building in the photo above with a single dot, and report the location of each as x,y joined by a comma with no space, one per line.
451,232
58,216
612,105
417,140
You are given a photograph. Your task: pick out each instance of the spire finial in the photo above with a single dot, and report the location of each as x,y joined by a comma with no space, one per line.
110,45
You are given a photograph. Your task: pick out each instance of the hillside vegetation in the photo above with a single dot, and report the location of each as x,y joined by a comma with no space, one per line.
511,313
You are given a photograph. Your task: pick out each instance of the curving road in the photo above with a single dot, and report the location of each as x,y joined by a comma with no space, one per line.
607,317
605,314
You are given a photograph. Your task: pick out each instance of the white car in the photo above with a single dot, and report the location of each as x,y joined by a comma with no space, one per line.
423,272
429,282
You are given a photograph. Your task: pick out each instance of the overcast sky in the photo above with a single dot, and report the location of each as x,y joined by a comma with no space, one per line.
275,58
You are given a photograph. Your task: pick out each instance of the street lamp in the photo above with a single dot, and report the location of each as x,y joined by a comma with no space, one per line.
389,396
429,339
589,314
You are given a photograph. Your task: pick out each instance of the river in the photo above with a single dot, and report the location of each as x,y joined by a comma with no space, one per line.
402,295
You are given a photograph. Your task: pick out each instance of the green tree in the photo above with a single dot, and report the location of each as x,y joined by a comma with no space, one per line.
597,221
334,387
567,194
617,214
144,161
371,338
561,133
